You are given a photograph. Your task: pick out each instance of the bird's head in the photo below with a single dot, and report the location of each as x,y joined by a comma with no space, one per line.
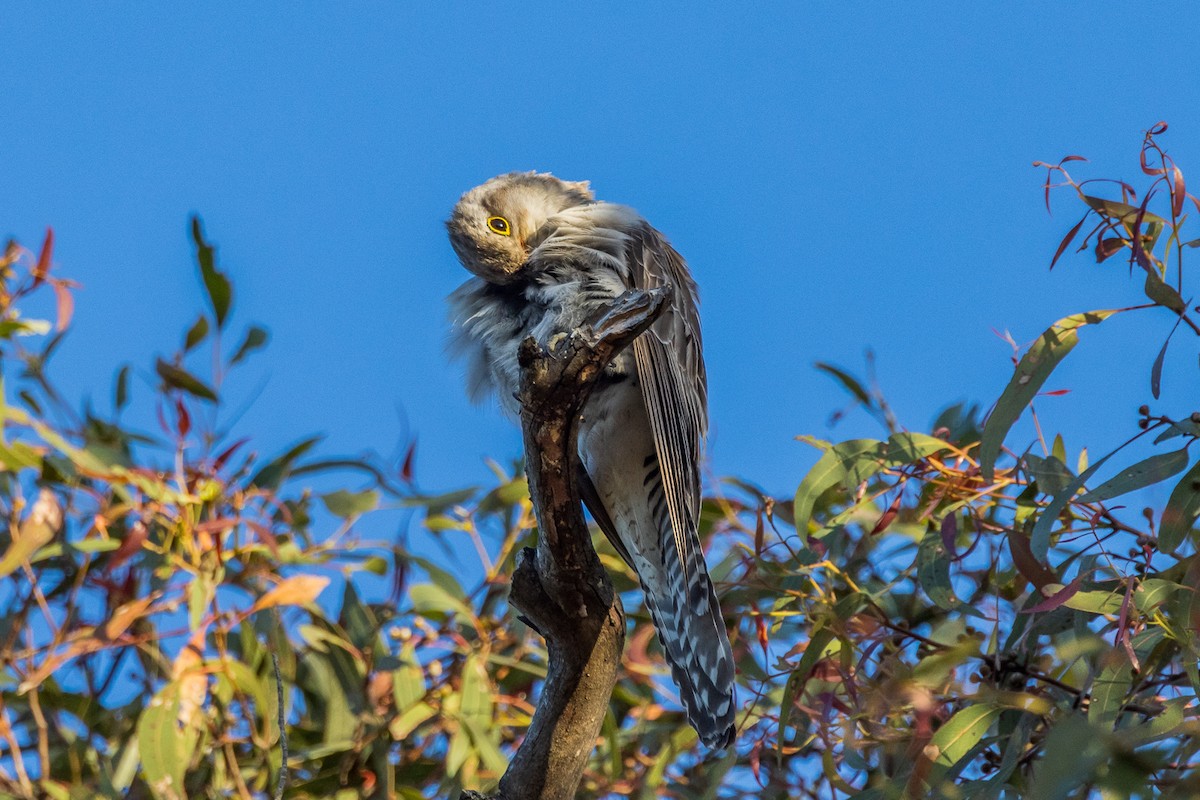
496,225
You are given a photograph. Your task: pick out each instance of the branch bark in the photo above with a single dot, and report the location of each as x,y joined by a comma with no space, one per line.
562,590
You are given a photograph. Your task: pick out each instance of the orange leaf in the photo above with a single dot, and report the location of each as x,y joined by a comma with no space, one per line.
65,303
1180,192
126,615
296,591
188,671
43,263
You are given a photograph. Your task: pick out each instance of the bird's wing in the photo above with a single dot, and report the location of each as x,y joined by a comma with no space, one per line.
670,368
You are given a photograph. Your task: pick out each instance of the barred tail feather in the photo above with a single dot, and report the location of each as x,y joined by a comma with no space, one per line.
690,627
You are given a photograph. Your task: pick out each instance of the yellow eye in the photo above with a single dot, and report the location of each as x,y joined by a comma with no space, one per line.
499,225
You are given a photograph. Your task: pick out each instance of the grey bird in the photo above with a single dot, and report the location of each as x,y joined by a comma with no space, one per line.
546,257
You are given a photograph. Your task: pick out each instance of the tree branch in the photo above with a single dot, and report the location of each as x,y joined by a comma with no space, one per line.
562,589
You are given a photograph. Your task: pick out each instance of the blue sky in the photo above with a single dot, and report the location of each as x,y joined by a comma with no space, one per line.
838,180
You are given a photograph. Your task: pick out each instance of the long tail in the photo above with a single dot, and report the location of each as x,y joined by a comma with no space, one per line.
689,624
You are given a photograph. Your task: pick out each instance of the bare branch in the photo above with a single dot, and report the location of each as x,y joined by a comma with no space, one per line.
562,589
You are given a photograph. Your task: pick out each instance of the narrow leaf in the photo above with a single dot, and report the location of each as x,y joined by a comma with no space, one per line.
42,268
962,732
1055,600
1182,509
298,590
177,378
255,339
1163,293
1039,540
1031,373
196,333
813,653
1178,193
346,504
1062,246
855,459
274,473
1108,690
848,381
161,744
1121,212
1156,370
1106,248
1026,563
64,303
1144,473
121,391
220,291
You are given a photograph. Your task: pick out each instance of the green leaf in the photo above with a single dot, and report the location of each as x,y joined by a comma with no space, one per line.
407,722
1144,473
256,338
1159,727
408,680
1095,602
96,545
848,382
812,654
933,573
196,333
427,597
274,473
1032,371
220,291
121,391
176,378
161,744
852,461
16,456
1072,751
1109,690
1163,293
1182,509
1051,474
346,504
962,732
907,448
1039,539
1121,212
246,681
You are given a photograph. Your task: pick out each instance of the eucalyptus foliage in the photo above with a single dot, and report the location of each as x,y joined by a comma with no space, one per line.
949,612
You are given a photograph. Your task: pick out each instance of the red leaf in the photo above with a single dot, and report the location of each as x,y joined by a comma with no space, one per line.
1139,251
949,534
760,626
265,536
759,533
1057,599
1123,626
1105,248
1180,192
183,420
1055,393
1159,127
406,471
65,303
1067,240
1149,170
1071,158
888,516
131,544
1026,563
229,451
43,263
